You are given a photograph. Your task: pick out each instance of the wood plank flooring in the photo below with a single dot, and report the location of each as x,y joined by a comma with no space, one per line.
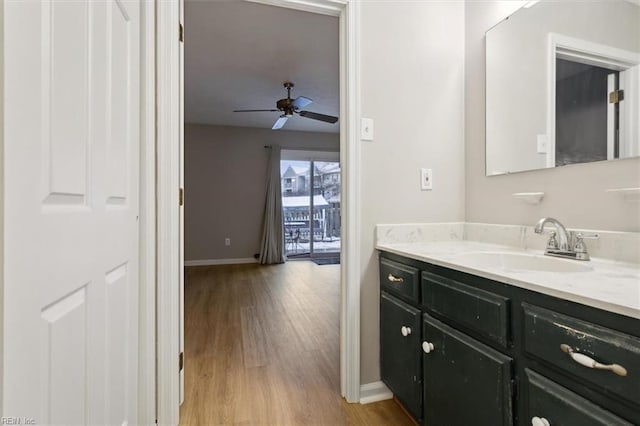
262,347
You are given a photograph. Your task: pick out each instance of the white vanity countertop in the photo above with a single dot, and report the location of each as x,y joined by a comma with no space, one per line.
609,285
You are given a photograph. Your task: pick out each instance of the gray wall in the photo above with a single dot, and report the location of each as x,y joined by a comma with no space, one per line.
225,185
412,86
574,194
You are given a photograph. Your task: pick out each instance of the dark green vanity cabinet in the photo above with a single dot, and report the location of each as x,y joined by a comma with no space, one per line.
495,354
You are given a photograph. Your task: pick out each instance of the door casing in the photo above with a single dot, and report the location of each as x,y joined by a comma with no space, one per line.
168,171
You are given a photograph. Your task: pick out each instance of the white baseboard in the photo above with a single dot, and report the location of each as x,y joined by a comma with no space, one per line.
207,262
374,392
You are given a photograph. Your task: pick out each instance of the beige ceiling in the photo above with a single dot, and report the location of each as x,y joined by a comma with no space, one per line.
238,54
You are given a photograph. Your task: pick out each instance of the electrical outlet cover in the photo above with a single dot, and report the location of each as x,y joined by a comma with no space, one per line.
426,179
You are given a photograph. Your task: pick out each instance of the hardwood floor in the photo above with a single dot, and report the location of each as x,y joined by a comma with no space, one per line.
262,347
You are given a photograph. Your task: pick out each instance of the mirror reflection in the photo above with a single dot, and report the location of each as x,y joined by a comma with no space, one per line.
563,85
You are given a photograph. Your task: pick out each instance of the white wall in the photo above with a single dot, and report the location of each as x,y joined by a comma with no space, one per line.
573,194
225,185
517,55
412,86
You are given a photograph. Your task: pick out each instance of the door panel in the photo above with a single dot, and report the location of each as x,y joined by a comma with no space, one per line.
400,353
459,368
71,208
64,326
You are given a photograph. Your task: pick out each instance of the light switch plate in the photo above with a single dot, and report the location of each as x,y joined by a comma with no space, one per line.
426,179
542,143
366,129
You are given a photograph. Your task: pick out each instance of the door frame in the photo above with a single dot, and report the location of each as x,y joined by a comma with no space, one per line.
586,52
167,133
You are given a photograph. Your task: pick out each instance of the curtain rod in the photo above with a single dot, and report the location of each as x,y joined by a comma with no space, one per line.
304,149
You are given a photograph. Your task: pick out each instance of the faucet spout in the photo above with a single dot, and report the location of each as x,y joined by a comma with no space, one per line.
563,235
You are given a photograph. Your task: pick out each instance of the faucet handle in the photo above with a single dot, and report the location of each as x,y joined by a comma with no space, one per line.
553,242
580,248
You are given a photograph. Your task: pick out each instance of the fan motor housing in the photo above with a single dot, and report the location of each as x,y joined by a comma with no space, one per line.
285,106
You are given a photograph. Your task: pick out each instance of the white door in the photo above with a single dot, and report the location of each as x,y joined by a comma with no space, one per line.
71,164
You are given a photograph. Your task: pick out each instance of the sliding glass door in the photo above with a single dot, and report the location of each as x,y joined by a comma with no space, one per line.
311,207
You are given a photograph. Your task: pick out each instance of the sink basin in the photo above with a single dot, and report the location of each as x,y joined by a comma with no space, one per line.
521,262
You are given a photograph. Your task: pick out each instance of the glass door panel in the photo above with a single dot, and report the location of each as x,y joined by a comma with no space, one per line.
311,207
326,208
296,189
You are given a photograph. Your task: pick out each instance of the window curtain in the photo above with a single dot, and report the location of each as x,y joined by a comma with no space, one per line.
272,241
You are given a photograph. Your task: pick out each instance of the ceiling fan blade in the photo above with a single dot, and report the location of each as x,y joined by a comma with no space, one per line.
321,117
301,102
280,122
255,110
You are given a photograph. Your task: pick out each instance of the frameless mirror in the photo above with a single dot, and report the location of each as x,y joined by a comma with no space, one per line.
563,85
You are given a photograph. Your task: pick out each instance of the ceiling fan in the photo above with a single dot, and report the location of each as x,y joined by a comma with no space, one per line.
289,106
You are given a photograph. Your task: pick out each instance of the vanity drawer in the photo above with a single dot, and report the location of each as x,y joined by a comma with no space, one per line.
400,279
559,406
479,310
551,336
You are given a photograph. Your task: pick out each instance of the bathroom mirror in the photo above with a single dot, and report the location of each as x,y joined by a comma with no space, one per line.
563,85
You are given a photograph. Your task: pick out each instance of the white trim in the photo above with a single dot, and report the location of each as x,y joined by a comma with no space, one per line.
147,227
181,208
374,392
585,52
209,262
350,159
168,215
322,7
2,206
611,111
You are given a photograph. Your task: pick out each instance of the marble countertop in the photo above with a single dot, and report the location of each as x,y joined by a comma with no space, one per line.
609,285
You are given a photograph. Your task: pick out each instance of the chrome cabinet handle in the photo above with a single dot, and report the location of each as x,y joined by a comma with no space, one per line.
395,279
405,331
589,362
539,421
427,347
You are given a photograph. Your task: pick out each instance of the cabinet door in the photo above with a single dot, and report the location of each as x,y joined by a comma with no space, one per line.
400,351
465,381
554,405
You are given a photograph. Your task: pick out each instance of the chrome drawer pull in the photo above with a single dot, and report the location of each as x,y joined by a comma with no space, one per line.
405,331
539,421
586,361
395,279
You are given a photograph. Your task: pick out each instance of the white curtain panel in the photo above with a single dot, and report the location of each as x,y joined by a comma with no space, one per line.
272,241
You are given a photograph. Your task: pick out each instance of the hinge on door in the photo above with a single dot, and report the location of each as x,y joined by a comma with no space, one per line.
181,33
616,96
181,197
181,361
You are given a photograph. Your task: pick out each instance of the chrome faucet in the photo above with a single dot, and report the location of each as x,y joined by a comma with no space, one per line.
563,234
564,247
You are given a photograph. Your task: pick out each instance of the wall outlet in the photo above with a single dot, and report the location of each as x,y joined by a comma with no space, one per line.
426,179
227,241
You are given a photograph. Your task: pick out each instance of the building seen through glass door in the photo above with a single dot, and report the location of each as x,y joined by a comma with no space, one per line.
311,207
